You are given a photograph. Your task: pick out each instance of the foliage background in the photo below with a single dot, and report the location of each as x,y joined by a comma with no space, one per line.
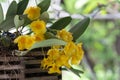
102,60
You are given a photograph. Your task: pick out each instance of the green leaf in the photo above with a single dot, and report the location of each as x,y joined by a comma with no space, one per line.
76,71
12,10
73,70
49,35
7,24
26,20
1,14
61,23
5,41
48,43
44,5
79,28
44,16
22,6
18,22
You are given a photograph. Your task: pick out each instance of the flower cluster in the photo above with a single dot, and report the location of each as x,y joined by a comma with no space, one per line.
37,26
64,48
59,56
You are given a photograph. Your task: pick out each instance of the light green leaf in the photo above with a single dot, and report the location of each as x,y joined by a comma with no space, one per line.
17,21
7,24
1,14
22,6
44,5
44,16
79,28
12,10
48,43
61,23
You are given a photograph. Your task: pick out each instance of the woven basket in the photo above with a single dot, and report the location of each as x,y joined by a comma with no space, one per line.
33,70
24,68
11,68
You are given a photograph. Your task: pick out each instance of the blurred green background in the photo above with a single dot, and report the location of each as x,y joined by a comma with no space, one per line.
101,40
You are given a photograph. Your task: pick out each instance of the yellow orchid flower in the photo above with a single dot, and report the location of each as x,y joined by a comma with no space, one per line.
66,36
53,53
38,27
54,69
69,49
39,37
24,42
32,13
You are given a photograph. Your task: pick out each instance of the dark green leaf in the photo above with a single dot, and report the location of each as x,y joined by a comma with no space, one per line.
79,28
7,24
1,14
48,43
12,10
22,6
44,5
61,23
76,71
49,35
26,20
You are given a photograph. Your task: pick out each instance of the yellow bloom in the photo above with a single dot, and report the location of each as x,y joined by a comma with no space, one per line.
80,52
53,53
24,42
39,37
63,60
32,13
75,59
69,49
38,27
54,69
66,36
74,52
78,55
46,63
